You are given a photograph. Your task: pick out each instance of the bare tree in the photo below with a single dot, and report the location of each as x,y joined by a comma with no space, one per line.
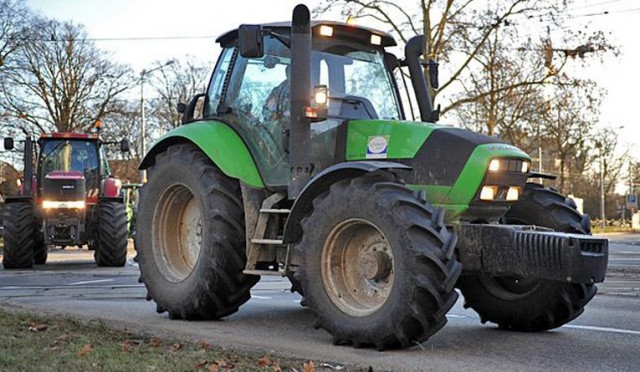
58,80
13,17
567,117
460,33
173,84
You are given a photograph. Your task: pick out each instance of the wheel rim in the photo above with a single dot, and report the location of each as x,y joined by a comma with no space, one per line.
177,232
357,267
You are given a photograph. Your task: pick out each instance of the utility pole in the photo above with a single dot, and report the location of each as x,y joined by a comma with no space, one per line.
602,213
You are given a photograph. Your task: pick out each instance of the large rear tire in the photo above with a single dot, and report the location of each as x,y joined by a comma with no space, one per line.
524,304
40,250
190,237
377,263
19,235
111,248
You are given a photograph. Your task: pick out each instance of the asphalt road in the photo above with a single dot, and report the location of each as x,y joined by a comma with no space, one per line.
605,337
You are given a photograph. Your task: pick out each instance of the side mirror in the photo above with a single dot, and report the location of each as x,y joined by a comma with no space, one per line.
433,74
181,107
188,114
124,145
250,41
8,143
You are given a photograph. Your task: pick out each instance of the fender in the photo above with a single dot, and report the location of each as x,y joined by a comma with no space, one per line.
111,187
219,142
321,182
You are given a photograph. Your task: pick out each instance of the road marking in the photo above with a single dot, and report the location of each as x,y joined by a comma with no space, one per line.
603,329
91,281
261,297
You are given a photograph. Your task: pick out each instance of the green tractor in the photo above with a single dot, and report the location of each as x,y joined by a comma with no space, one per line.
304,166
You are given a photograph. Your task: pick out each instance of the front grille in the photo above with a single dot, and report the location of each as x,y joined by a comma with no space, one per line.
542,251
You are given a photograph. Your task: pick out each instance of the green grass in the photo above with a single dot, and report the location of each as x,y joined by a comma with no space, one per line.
32,342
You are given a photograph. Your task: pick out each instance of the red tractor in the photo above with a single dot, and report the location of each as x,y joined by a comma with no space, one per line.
70,198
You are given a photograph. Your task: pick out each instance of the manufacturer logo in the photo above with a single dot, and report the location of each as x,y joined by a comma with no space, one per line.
377,147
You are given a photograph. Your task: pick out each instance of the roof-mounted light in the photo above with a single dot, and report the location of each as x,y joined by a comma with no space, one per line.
326,30
376,39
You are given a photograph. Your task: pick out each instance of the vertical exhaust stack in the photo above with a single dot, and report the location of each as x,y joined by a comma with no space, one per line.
28,166
299,127
412,52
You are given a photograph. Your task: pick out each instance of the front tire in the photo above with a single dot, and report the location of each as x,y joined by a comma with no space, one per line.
190,237
377,263
19,235
524,304
111,247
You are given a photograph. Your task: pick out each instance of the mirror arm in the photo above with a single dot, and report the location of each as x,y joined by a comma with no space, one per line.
281,38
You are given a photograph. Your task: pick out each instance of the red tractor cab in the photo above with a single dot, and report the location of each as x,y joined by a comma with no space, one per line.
72,199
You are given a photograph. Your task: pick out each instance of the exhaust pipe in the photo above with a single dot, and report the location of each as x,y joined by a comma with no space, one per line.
299,127
28,166
413,51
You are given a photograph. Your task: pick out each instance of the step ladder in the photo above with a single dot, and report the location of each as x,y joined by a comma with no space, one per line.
258,241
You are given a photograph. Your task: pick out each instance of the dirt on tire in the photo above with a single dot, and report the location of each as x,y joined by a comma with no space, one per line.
423,264
210,285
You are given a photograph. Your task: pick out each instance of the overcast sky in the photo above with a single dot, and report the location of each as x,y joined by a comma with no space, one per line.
203,20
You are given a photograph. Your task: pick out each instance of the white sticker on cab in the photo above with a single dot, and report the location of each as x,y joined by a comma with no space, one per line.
377,147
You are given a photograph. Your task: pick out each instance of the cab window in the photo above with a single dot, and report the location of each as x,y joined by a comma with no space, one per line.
257,104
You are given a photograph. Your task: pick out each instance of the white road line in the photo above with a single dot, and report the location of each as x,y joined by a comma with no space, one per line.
603,329
457,316
261,297
92,281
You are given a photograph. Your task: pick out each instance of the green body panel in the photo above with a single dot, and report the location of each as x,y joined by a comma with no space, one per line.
473,172
405,137
223,146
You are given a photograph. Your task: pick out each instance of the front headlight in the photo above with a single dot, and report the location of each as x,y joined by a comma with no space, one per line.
488,192
508,165
513,194
54,204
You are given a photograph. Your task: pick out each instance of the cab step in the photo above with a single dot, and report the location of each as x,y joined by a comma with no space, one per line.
267,241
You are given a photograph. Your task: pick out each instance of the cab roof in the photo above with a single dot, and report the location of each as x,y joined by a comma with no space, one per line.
57,135
341,31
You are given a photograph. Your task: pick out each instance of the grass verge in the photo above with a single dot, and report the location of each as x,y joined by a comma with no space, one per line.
46,343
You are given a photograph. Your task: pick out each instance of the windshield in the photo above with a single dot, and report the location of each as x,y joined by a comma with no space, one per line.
70,155
356,74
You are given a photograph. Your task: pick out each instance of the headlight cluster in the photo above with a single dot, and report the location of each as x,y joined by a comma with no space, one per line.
500,193
509,165
54,204
504,179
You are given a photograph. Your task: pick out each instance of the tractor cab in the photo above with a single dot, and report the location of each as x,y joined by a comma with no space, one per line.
71,157
350,73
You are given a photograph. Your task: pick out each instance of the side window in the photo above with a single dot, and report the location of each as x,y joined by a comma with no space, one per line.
258,102
217,80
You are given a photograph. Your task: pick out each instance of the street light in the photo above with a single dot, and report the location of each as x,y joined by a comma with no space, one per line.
143,73
600,146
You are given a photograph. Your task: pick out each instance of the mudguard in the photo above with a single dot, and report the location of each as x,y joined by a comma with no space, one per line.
219,142
111,187
323,181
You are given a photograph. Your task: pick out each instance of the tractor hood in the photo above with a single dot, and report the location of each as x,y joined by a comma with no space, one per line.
449,164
